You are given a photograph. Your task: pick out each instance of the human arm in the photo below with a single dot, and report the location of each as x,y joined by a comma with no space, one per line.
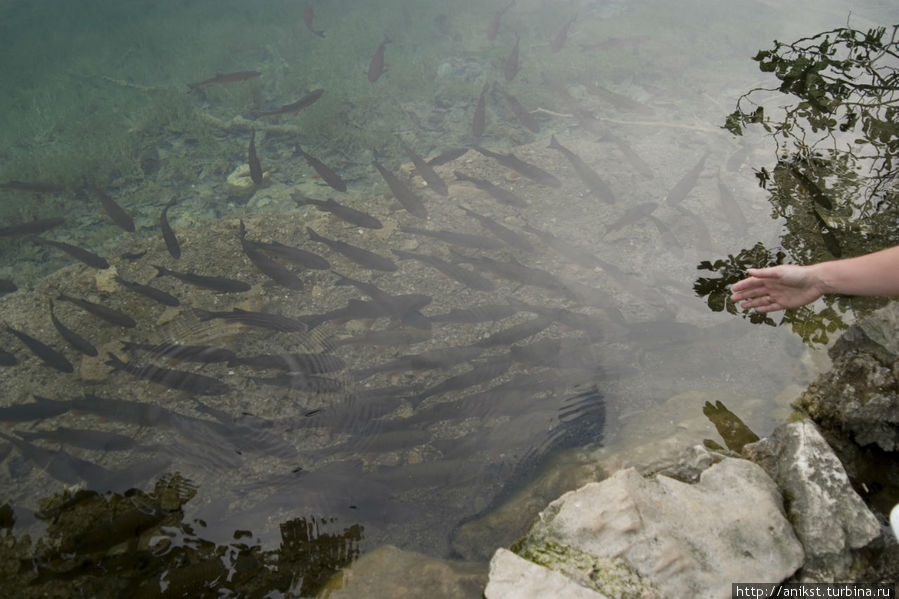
791,285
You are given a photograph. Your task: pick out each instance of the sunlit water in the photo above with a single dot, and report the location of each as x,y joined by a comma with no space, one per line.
606,329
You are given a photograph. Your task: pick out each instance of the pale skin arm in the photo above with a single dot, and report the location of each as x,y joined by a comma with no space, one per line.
791,285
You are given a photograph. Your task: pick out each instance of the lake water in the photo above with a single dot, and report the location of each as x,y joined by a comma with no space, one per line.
406,392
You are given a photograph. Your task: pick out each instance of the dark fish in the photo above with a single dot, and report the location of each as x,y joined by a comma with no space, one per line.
86,438
220,284
632,215
630,155
73,338
810,187
447,156
511,66
7,358
401,307
521,113
80,254
575,253
253,161
108,314
730,207
263,320
425,170
516,240
562,36
462,239
307,18
397,336
481,373
687,182
516,333
61,465
305,363
479,120
475,314
295,255
350,215
493,26
47,354
205,354
599,187
114,211
303,382
402,192
360,256
376,66
532,172
670,241
171,242
28,412
151,292
175,379
7,286
429,360
467,277
514,271
304,102
224,78
324,171
619,101
500,194
270,268
32,186
34,227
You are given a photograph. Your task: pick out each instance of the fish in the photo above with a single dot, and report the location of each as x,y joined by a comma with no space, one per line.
479,120
618,101
401,307
153,293
631,156
253,161
303,382
36,410
270,268
206,354
360,256
108,314
305,363
467,277
376,66
168,235
447,156
811,188
521,113
511,66
515,271
61,465
730,207
532,172
687,182
174,379
293,254
516,240
402,192
462,239
74,339
429,360
34,227
475,314
516,333
324,171
575,253
307,18
393,336
7,286
220,284
493,25
562,36
592,180
488,370
500,194
263,320
632,215
350,215
47,354
425,170
307,100
32,186
114,211
225,78
7,358
86,438
80,254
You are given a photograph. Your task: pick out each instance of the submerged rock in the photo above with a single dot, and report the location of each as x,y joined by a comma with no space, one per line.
513,576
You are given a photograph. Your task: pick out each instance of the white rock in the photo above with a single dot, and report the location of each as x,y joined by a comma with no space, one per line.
513,577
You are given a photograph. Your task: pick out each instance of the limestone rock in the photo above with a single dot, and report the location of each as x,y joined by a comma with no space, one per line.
828,516
512,577
686,540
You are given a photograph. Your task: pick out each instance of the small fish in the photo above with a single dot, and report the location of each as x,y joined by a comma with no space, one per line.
74,339
493,25
360,256
462,239
308,100
35,227
350,215
511,66
264,320
686,184
523,116
467,277
295,255
100,311
307,18
270,268
168,235
220,284
403,193
174,379
425,170
47,354
32,187
153,293
479,121
562,36
205,354
516,240
376,66
500,194
114,211
253,161
324,171
225,78
7,286
532,172
592,180
80,254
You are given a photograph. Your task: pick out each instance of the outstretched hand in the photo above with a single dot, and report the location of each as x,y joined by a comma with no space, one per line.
777,288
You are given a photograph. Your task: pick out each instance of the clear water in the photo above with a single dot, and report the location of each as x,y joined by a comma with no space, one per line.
97,94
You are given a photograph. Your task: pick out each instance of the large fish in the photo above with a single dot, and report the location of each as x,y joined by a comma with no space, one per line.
429,360
402,192
47,354
515,271
592,180
114,211
521,113
467,277
294,254
61,465
350,215
511,66
493,25
108,314
376,66
632,215
487,370
468,240
7,286
686,184
73,338
157,295
562,36
175,379
303,382
34,227
253,161
220,284
86,438
270,268
80,254
360,256
168,235
327,174
307,100
532,172
225,78
32,186
205,354
425,170
308,16
516,240
7,358
264,320
516,333
475,314
479,120
305,363
500,194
